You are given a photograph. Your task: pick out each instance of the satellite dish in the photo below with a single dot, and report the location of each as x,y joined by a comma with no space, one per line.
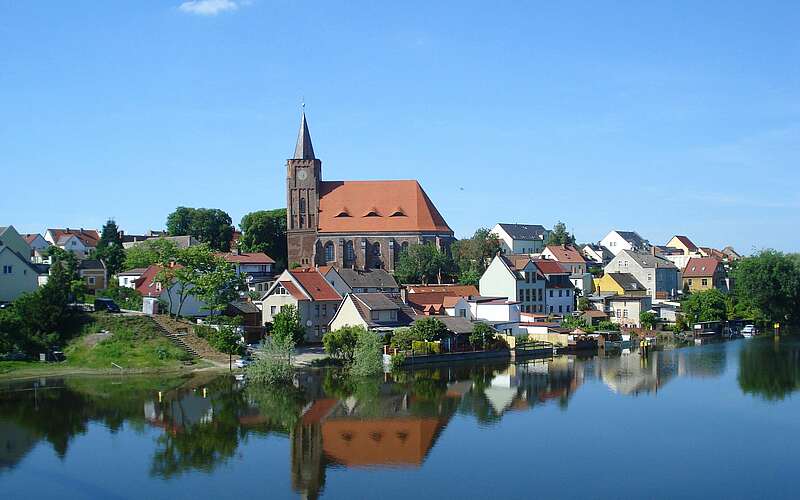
308,322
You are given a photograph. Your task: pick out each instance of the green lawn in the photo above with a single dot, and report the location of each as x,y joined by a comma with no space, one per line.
134,343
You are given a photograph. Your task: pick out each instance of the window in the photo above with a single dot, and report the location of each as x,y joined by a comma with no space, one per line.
567,292
551,293
90,279
7,269
462,313
273,310
551,308
393,315
328,252
624,313
324,329
376,249
560,293
567,308
560,309
302,205
540,295
324,309
690,281
349,251
316,310
704,282
375,315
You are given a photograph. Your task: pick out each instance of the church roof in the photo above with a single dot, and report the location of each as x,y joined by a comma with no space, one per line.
304,150
377,206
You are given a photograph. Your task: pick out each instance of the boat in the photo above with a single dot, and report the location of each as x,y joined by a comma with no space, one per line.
749,331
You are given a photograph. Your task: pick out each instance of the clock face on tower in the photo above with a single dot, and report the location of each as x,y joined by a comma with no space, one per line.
302,174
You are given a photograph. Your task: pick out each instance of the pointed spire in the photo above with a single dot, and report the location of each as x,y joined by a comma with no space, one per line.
304,149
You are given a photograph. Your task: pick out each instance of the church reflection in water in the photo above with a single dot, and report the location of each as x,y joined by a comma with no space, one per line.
335,421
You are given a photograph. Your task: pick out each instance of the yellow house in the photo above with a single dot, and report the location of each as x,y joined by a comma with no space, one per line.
703,274
620,284
683,244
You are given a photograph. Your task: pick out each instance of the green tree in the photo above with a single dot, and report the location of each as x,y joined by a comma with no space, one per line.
402,338
423,264
265,231
583,304
219,284
769,282
109,249
473,255
286,326
367,355
481,336
607,326
209,225
149,252
705,305
429,329
648,319
560,236
341,343
227,339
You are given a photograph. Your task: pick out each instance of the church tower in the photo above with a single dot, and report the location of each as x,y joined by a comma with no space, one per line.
303,177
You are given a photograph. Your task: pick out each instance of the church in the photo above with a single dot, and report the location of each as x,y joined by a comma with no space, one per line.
354,224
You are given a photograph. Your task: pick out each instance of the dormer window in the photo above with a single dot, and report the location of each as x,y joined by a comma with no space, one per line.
343,213
398,212
372,213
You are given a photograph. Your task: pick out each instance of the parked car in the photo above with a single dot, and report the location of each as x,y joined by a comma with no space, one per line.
106,305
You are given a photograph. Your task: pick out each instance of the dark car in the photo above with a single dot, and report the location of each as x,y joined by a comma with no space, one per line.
106,305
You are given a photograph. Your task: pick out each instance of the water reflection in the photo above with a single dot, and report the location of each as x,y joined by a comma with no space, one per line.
335,421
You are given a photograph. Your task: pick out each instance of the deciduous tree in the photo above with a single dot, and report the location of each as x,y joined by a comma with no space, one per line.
560,236
208,225
265,231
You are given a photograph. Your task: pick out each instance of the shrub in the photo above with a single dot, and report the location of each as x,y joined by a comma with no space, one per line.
341,343
286,326
126,298
422,347
607,325
397,361
481,336
403,337
367,357
273,364
429,329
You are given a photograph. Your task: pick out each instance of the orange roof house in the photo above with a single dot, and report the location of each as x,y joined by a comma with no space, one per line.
354,224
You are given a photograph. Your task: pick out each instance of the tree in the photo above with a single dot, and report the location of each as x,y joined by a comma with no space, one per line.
265,231
367,357
226,339
219,284
560,236
481,336
286,326
705,305
647,319
341,343
473,255
607,326
149,252
109,249
422,264
583,304
429,329
208,225
769,282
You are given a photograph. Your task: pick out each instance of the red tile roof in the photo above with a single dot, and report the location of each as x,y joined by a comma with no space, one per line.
550,267
377,206
88,237
687,243
247,258
452,290
566,253
29,237
700,267
315,284
293,290
144,284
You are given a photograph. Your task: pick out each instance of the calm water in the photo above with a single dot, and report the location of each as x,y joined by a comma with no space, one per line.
713,421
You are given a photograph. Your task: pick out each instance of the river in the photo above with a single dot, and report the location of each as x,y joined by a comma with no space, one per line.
717,420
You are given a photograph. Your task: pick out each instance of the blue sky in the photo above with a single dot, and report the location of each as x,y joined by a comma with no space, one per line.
661,117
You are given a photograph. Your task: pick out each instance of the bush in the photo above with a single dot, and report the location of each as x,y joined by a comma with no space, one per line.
403,337
481,336
286,326
126,298
341,343
429,329
397,361
607,325
273,364
367,357
422,347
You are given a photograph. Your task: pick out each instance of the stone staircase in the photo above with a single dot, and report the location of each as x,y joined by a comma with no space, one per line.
181,333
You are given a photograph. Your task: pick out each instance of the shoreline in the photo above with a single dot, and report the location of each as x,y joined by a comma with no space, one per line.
50,370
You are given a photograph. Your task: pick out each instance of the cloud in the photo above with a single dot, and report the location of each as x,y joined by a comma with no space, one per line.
208,7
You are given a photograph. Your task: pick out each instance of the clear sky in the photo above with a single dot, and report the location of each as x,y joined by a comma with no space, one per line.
660,117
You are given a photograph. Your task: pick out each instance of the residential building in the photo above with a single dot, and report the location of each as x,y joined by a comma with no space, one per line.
502,314
129,278
660,277
731,254
258,267
704,273
354,224
516,278
597,254
617,241
93,273
346,280
573,261
521,238
308,290
684,244
17,273
170,297
625,309
377,312
620,284
39,247
136,238
559,290
81,242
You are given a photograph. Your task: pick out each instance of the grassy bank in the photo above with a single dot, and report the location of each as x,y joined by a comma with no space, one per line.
132,342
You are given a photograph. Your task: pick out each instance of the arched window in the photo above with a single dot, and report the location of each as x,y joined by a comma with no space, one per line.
329,252
404,246
376,249
302,205
349,252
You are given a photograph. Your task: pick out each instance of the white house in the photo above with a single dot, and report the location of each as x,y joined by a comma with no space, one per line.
521,238
516,278
559,294
39,247
617,241
81,241
17,274
597,254
129,278
192,306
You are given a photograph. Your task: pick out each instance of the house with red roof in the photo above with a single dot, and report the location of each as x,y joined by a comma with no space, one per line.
81,242
573,261
684,244
38,245
354,224
704,273
146,285
307,290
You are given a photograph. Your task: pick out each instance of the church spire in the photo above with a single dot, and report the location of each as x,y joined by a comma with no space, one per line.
304,150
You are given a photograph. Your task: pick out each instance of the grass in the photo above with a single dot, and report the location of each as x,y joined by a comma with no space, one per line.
135,344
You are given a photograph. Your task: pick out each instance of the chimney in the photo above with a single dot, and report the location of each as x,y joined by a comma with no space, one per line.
404,294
